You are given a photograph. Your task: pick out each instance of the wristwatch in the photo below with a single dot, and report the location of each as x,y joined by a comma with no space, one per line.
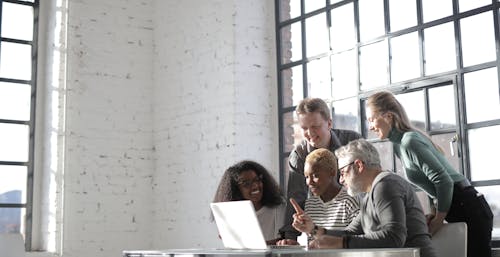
314,231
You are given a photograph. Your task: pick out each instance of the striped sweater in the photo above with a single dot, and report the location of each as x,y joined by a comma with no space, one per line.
334,214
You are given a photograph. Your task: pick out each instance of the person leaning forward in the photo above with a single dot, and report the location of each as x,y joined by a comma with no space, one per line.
317,128
390,213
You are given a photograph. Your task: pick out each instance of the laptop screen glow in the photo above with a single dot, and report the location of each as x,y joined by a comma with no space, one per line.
238,225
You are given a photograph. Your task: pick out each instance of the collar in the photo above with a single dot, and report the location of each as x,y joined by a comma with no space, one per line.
334,143
380,176
395,135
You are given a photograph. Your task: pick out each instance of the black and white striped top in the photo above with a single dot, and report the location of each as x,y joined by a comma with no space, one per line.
334,214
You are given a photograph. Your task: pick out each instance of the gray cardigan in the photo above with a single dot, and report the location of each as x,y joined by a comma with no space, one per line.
390,217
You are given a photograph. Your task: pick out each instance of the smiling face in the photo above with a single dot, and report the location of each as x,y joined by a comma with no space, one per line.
318,179
316,129
379,123
251,187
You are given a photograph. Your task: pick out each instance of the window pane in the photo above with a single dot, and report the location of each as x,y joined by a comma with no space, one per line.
405,57
293,89
14,146
345,114
415,109
317,35
13,184
318,76
481,95
443,140
478,45
492,195
481,155
289,9
384,149
342,31
403,14
287,174
440,49
15,101
11,220
15,61
312,5
373,65
344,75
465,5
17,21
292,134
442,107
291,43
371,19
433,10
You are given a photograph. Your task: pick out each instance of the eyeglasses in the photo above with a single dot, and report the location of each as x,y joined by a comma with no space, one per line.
375,117
341,172
249,183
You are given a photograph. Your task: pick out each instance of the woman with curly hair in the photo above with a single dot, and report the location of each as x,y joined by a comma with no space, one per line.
248,180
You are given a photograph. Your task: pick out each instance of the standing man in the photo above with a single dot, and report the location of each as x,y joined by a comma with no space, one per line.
316,124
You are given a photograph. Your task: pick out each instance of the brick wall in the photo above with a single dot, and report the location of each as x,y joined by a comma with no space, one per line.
161,97
109,163
215,104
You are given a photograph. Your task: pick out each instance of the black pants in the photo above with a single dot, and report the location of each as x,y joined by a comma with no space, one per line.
470,207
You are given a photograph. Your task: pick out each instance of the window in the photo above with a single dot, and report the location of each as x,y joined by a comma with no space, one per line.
429,53
18,62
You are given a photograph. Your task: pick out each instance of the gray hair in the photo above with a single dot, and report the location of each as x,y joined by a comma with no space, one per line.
362,150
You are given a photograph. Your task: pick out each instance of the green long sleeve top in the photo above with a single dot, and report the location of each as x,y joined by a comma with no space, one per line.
425,166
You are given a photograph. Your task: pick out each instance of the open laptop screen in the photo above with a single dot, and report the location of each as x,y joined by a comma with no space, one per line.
238,225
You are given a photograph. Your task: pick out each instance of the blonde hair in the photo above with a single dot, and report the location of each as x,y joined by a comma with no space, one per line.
322,159
385,102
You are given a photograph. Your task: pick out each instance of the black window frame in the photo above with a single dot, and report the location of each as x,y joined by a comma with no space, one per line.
28,219
454,77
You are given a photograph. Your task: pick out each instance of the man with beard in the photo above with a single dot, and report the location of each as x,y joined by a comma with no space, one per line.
390,212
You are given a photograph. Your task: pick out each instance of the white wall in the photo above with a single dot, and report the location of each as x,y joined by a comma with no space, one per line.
109,162
161,96
215,104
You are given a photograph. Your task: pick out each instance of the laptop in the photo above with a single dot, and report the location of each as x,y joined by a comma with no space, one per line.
239,227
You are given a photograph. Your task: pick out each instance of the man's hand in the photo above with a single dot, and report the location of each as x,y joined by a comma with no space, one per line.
327,241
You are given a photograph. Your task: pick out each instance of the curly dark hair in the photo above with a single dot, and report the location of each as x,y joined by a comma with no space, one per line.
228,189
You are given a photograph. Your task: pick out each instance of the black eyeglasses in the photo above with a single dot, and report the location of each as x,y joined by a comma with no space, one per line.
341,173
249,183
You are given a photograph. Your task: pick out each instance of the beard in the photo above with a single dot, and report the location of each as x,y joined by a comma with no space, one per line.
353,191
355,186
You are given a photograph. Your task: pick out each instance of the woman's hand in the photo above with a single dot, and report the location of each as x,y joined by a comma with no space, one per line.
287,242
435,222
301,221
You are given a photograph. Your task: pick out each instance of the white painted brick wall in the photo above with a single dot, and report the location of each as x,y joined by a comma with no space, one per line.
214,105
109,155
162,96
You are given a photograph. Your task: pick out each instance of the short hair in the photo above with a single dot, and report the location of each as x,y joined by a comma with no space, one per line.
322,159
310,105
228,189
362,150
